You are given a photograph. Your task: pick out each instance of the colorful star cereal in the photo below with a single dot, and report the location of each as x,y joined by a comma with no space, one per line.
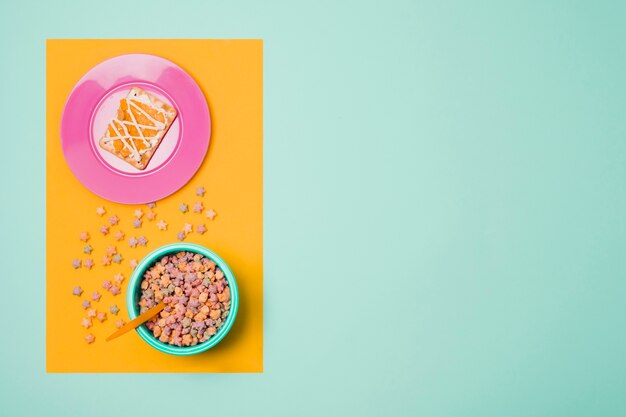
181,235
114,309
86,304
150,215
198,207
184,208
104,230
84,236
95,296
118,278
119,235
187,228
77,291
137,223
101,316
86,323
88,263
76,263
100,211
87,249
210,214
138,213
113,220
161,225
89,338
200,191
200,229
196,294
142,241
151,205
117,258
106,284
119,323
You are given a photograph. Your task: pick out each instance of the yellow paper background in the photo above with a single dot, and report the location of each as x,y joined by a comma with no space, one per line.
229,72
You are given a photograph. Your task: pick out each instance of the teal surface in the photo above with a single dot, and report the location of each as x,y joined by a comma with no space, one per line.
444,209
133,294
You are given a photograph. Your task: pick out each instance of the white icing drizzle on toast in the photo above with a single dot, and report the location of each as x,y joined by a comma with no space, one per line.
120,127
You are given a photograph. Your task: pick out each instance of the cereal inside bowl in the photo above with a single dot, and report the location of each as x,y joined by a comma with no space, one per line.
197,297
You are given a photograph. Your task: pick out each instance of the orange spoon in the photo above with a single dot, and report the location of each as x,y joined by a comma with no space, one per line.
137,321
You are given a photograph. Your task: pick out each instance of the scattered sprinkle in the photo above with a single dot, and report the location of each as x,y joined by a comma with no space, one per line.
184,208
90,338
118,278
87,249
161,225
102,316
198,207
95,296
77,291
76,263
113,220
104,230
117,258
91,312
114,309
200,229
210,214
142,241
106,260
187,228
181,235
132,263
106,284
200,191
115,290
88,263
150,215
86,323
100,211
138,213
151,205
119,323
111,250
86,304
119,235
137,223
84,236
132,242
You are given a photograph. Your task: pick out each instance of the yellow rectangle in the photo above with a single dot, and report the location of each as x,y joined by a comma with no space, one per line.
230,73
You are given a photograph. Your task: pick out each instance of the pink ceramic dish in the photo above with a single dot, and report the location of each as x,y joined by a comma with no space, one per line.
94,101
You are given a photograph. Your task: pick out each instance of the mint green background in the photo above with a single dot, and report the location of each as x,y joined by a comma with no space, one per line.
444,210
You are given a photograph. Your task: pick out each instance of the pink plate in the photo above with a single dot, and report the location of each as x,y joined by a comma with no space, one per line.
94,101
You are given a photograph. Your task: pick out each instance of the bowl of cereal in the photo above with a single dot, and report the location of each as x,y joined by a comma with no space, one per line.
200,292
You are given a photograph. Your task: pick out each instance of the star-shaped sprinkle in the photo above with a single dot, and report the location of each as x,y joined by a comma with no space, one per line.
137,223
113,220
119,323
106,284
87,249
187,228
106,260
104,230
114,309
89,338
102,316
210,214
142,241
119,235
88,263
132,242
92,312
138,213
184,208
95,296
132,263
198,207
84,236
181,235
117,258
86,323
77,291
111,250
200,191
115,290
150,215
161,225
151,205
118,278
100,211
86,304
200,229
76,263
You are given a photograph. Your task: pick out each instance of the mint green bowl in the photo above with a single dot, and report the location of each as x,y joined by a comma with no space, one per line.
133,294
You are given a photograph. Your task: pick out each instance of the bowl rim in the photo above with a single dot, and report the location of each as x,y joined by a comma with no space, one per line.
135,281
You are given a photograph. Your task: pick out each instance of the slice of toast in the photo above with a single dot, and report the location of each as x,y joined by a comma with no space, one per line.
141,122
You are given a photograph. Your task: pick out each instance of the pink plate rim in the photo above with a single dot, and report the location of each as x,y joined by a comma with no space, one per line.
193,115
